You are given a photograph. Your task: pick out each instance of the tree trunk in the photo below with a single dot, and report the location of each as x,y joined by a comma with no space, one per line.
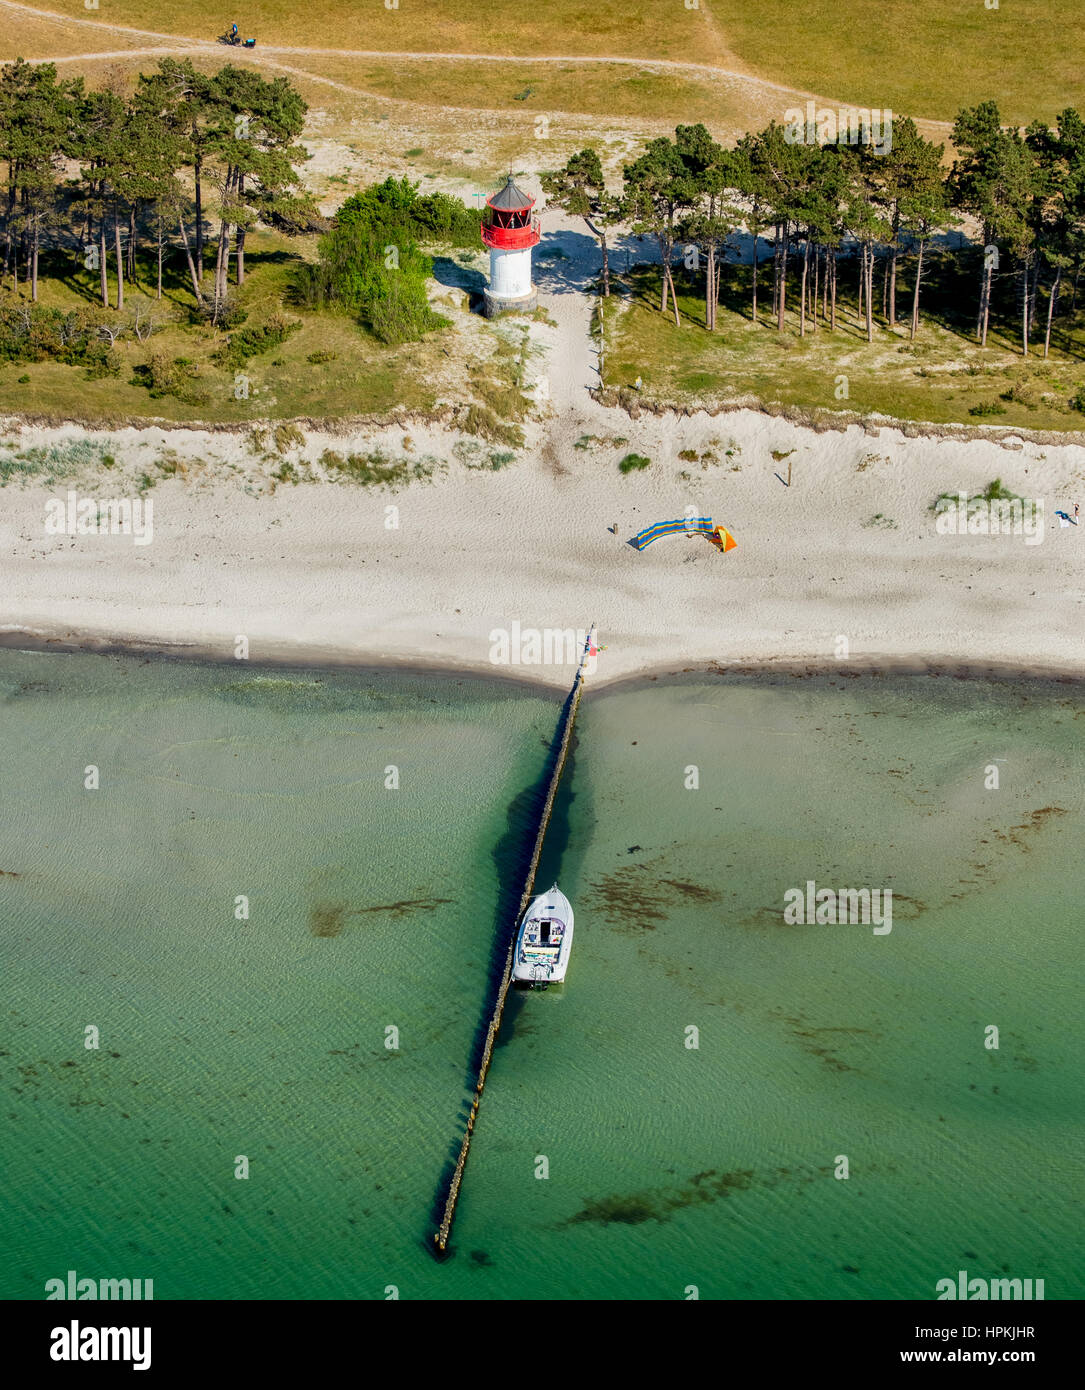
606,267
1025,310
832,319
8,220
221,269
756,239
781,303
119,257
1034,296
817,285
158,295
664,256
102,262
132,243
893,254
191,262
885,290
34,265
674,296
915,292
985,291
710,287
870,295
1051,298
197,172
240,236
802,288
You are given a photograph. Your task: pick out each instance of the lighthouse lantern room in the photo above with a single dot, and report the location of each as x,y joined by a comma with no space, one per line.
510,230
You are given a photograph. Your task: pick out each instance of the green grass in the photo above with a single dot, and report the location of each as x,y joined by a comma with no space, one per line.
940,378
633,463
329,368
921,59
560,26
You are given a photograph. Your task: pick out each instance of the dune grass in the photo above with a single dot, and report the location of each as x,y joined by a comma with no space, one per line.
943,377
363,377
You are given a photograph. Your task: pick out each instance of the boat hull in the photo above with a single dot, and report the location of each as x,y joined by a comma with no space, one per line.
544,940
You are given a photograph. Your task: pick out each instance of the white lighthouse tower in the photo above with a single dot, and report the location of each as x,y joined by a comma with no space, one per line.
510,230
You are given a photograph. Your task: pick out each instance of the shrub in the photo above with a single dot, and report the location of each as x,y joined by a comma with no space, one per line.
987,408
375,469
288,437
321,355
633,463
481,420
244,343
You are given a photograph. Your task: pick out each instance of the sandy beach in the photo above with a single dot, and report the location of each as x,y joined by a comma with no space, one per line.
326,572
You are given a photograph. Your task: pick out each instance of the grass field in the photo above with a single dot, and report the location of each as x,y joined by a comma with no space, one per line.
651,28
920,57
353,375
938,379
924,58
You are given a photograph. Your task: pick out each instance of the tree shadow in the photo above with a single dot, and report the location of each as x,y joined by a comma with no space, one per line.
455,276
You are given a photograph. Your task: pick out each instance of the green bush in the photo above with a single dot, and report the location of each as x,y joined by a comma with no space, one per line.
632,463
244,343
37,333
375,469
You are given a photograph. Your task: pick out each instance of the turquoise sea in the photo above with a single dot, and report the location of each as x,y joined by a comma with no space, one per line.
374,906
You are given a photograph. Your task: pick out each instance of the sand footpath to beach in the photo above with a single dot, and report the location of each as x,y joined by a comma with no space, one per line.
848,553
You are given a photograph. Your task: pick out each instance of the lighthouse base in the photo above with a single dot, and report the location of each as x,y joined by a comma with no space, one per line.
494,304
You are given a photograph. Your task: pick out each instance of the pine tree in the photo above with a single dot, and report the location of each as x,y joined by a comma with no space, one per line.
657,186
580,188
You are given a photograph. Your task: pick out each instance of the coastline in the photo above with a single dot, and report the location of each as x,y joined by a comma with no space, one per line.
843,570
795,667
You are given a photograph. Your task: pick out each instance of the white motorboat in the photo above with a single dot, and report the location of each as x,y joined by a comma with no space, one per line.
544,940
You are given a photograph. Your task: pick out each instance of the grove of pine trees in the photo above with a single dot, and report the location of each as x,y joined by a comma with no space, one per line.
97,174
822,205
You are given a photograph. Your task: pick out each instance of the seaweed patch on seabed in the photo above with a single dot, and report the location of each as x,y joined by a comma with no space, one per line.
660,1204
329,919
632,899
1035,820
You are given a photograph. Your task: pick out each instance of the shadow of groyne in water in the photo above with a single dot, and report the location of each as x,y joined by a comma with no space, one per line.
512,856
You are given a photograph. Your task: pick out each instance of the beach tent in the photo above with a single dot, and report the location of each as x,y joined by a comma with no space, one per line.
720,537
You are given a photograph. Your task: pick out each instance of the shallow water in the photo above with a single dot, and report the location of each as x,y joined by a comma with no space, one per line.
373,908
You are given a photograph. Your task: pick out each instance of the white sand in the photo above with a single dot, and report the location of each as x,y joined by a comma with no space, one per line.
313,571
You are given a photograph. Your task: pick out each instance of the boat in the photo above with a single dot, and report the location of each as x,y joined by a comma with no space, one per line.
544,940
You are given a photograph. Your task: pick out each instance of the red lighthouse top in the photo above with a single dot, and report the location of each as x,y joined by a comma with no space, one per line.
509,224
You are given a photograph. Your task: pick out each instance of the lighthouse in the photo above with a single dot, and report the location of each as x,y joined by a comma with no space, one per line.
510,230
